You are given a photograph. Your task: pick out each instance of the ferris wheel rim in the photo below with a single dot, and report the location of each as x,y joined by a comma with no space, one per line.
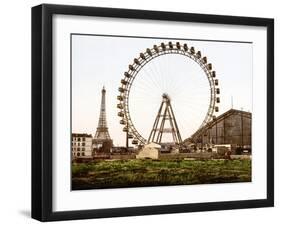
147,56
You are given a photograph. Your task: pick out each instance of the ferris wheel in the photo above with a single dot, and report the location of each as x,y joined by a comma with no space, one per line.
173,69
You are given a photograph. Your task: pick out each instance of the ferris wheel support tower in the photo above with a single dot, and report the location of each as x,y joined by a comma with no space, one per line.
165,113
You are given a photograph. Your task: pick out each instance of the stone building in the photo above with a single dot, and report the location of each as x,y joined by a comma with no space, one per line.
81,145
232,127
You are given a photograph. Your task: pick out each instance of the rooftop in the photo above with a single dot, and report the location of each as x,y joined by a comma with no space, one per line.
221,117
81,135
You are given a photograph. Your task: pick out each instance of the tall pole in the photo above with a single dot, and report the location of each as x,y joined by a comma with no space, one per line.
242,135
224,131
127,140
216,130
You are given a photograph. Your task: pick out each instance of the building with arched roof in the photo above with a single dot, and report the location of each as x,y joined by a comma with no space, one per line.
233,127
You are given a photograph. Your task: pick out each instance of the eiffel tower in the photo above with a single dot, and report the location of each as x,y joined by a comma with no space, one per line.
102,136
165,113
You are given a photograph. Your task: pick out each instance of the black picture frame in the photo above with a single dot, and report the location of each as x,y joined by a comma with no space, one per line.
42,111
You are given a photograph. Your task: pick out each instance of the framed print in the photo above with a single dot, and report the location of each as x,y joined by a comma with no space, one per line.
145,112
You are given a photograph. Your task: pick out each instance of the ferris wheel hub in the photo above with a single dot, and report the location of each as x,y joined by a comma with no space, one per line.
166,97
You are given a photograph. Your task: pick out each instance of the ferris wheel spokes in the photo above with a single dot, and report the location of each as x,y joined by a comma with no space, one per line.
156,73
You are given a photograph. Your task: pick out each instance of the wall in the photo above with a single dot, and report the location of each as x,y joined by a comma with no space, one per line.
228,130
15,112
78,149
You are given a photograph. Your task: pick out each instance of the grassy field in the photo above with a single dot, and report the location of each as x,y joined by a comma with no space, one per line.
138,173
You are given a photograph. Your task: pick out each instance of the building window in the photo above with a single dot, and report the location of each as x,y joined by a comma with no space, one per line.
83,144
83,154
83,149
84,138
79,139
78,154
78,149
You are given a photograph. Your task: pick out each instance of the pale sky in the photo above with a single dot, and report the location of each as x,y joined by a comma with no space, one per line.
101,61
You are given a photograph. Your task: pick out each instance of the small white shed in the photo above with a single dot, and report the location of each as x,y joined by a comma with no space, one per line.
149,151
